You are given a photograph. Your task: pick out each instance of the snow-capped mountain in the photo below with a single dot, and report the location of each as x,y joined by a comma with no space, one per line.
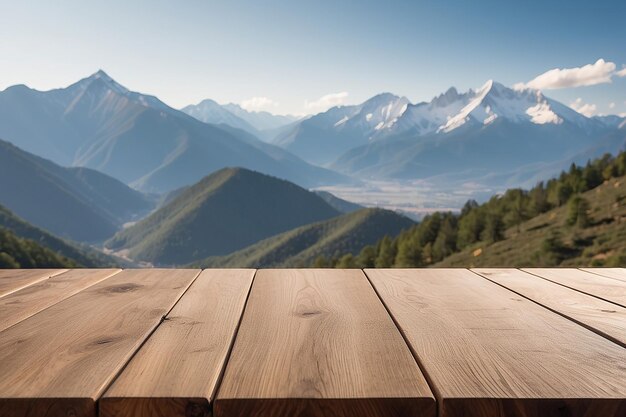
481,134
326,135
209,111
100,88
493,101
483,106
98,123
261,120
261,124
136,138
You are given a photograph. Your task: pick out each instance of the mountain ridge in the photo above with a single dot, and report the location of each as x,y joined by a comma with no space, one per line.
331,137
136,138
299,247
225,211
81,255
77,203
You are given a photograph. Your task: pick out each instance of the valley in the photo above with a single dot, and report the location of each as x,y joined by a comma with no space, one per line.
139,182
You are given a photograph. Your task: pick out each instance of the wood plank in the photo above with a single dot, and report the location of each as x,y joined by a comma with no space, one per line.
319,343
28,301
178,368
12,280
489,352
615,273
604,318
608,289
59,362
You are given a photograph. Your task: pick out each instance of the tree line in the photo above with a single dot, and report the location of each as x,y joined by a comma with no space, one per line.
441,234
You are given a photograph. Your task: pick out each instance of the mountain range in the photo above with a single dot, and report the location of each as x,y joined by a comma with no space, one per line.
219,185
77,203
261,124
224,212
494,134
136,138
37,241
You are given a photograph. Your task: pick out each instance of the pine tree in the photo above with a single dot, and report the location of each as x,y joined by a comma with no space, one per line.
578,212
564,192
470,227
346,261
494,228
386,253
409,253
367,257
445,244
539,199
321,262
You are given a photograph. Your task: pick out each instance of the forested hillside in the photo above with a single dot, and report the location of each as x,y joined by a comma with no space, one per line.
223,213
301,246
578,218
79,254
16,252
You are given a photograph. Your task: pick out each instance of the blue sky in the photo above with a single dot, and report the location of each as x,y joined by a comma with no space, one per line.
284,56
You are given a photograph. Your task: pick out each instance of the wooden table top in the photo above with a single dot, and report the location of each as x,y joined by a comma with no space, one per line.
313,342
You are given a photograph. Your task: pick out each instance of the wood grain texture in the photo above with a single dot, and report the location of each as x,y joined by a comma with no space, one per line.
615,273
176,371
319,343
608,289
30,300
598,315
12,280
489,352
59,362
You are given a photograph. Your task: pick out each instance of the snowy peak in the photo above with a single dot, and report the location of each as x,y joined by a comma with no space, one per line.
446,98
100,89
382,111
483,106
101,75
209,111
378,113
495,101
261,120
102,80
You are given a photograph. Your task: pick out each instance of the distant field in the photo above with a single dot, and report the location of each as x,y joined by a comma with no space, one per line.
414,198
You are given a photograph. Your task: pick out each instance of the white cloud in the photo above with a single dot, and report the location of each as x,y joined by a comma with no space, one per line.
622,72
258,103
611,105
586,109
325,102
590,74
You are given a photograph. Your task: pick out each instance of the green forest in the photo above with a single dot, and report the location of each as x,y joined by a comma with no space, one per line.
16,252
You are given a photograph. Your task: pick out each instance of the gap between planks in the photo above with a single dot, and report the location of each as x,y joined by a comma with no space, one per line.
595,314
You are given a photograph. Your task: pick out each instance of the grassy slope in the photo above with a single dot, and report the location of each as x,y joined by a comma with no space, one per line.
301,246
226,211
602,243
